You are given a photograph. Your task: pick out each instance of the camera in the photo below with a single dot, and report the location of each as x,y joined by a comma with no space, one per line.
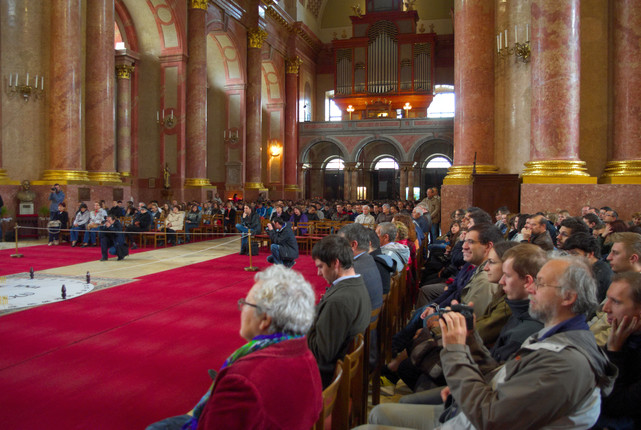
466,311
53,188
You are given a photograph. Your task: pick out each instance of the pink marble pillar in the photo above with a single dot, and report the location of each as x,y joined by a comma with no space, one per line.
196,114
625,165
99,92
291,127
124,70
253,154
64,94
404,170
556,72
474,45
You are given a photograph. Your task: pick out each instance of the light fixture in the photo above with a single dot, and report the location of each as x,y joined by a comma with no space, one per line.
14,88
407,108
168,121
520,50
350,109
230,135
275,148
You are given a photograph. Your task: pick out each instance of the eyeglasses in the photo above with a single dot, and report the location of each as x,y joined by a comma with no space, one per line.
242,302
539,284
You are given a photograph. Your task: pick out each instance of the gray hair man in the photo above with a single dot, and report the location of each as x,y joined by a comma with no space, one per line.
560,369
400,253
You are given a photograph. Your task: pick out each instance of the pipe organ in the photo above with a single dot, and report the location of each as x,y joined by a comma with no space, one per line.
385,64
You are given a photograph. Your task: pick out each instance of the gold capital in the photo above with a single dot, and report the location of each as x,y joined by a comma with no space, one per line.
197,182
124,71
556,172
256,37
293,64
462,175
198,4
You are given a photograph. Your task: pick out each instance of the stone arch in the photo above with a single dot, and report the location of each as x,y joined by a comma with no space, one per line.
356,153
304,151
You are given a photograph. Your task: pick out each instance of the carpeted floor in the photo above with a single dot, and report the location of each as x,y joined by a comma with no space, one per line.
123,357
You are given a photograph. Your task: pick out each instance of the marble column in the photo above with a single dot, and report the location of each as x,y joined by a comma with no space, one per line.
410,181
99,92
354,183
196,112
291,127
556,73
124,69
347,180
65,94
253,154
404,168
625,165
474,45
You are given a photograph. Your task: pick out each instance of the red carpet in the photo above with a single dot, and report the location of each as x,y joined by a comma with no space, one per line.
124,357
43,257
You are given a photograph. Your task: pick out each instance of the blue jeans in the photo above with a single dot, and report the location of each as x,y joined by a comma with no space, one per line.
90,235
434,232
75,232
241,228
276,254
189,226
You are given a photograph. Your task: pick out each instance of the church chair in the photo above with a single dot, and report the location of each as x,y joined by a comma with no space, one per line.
160,234
217,223
347,411
370,372
329,397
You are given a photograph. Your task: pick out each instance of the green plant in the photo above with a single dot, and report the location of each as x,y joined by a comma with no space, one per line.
4,212
43,211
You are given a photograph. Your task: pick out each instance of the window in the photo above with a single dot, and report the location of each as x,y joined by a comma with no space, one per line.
443,104
335,164
332,111
386,163
438,163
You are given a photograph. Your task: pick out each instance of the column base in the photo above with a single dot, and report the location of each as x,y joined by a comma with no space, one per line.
125,174
4,178
103,177
64,176
291,188
556,172
254,185
622,172
462,175
197,182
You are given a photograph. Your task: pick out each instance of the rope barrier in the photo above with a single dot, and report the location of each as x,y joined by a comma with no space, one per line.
147,232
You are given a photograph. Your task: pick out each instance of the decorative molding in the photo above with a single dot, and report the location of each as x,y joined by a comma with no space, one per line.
105,177
124,71
556,172
198,4
197,182
256,37
293,64
65,175
462,175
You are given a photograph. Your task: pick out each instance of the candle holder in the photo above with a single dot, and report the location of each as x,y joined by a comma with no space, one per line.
520,50
13,87
230,136
168,121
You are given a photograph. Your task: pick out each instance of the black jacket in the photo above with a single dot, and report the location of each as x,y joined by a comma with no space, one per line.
252,222
286,240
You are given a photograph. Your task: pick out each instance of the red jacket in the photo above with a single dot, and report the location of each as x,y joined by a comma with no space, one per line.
278,387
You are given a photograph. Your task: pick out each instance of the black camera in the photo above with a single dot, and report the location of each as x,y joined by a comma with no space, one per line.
53,188
466,311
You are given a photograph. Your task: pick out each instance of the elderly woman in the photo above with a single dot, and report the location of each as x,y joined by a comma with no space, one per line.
273,381
175,221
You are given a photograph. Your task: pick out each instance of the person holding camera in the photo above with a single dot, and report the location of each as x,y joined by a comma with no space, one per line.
56,197
284,246
112,240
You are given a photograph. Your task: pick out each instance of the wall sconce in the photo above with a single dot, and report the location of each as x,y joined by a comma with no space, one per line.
14,88
520,50
230,135
407,108
275,148
350,109
166,121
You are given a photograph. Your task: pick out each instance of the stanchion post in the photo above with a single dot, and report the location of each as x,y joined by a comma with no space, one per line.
251,268
17,254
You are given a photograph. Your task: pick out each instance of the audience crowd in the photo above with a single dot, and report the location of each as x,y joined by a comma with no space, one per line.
552,338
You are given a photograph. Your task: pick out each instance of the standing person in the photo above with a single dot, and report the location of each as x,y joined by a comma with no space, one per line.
249,221
434,208
56,197
284,246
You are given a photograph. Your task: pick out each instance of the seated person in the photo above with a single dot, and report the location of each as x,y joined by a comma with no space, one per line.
62,218
554,380
620,409
273,380
345,309
142,222
284,247
192,220
96,219
249,221
583,244
175,221
298,216
80,222
112,239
